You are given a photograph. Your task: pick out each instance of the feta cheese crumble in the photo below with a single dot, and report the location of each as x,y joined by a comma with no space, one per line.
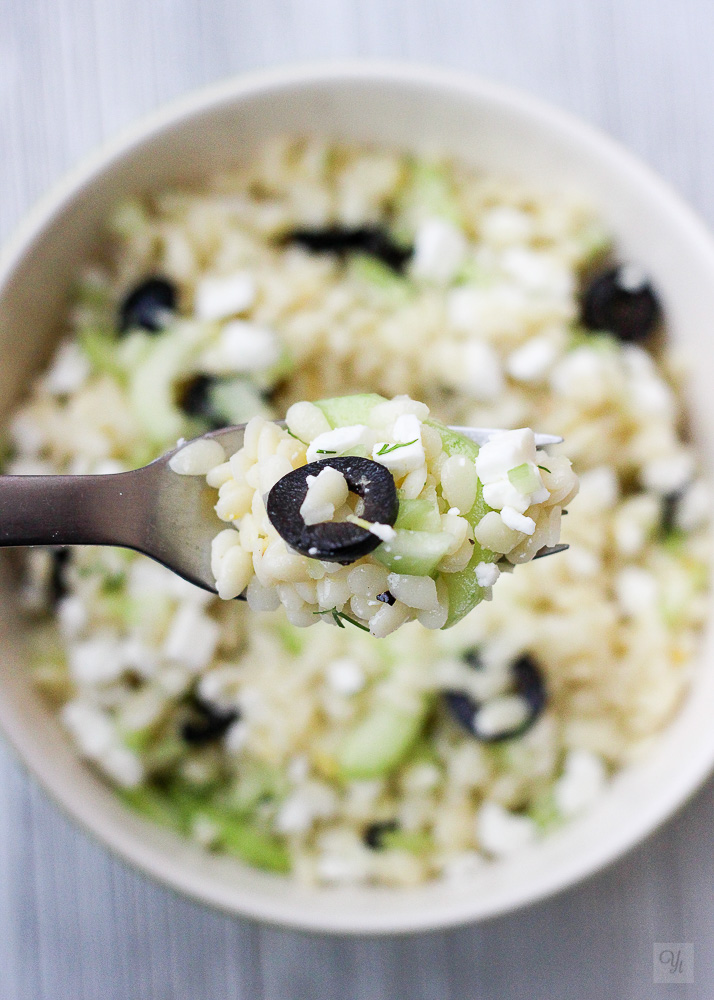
225,296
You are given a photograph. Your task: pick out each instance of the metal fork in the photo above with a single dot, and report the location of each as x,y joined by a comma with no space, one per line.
151,510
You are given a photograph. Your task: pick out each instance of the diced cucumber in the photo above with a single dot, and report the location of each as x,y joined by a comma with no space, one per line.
257,782
151,387
156,807
380,741
248,842
379,275
524,478
236,400
101,351
418,515
417,842
291,638
415,553
463,589
344,411
430,190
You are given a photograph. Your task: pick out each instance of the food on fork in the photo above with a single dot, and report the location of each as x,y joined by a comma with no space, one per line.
368,511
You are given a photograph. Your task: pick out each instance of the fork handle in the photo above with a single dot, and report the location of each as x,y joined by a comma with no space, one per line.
71,510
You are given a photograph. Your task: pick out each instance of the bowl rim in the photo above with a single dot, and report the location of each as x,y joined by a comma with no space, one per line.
244,86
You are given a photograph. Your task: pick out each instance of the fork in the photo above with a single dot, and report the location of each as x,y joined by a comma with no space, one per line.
151,510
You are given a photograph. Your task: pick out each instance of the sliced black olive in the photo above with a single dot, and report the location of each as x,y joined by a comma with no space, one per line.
473,657
386,597
623,302
374,834
334,541
670,505
206,723
58,584
372,240
527,682
148,306
195,400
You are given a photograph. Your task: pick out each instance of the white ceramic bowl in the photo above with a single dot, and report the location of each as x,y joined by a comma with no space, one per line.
504,132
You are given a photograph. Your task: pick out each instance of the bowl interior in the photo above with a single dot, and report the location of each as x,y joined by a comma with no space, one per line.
412,109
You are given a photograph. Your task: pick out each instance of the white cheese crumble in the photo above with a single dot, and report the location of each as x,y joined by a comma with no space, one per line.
326,492
532,361
500,832
695,507
439,251
538,271
192,638
503,451
582,781
225,296
480,371
519,522
385,532
345,676
487,574
636,591
241,347
70,370
337,441
501,715
197,458
669,473
410,453
504,494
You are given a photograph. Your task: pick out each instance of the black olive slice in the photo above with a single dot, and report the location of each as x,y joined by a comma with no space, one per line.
670,509
372,240
206,722
334,541
147,306
58,584
527,682
374,834
386,597
195,400
622,302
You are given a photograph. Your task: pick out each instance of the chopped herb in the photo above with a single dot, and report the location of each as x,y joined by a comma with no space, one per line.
352,621
321,451
340,616
543,468
296,437
387,448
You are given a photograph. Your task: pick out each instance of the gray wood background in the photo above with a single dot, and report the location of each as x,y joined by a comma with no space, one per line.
75,924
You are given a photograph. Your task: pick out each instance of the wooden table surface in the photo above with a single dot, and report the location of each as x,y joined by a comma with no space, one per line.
75,924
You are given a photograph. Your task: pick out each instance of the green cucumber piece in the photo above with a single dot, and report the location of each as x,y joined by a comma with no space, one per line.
101,351
418,515
236,400
418,842
415,553
345,411
462,587
524,478
373,272
156,807
380,741
430,189
248,842
151,387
